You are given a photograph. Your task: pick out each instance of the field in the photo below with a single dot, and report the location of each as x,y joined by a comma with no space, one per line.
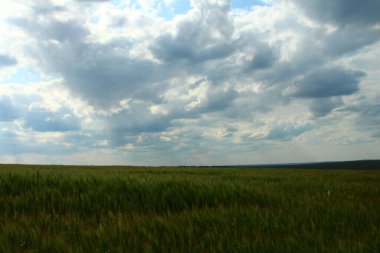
168,209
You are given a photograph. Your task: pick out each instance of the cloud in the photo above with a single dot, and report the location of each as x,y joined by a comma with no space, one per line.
51,30
323,106
376,134
8,111
203,35
41,120
341,12
171,50
15,143
112,78
101,74
367,117
138,118
349,39
218,100
6,60
264,57
328,82
287,132
43,8
131,83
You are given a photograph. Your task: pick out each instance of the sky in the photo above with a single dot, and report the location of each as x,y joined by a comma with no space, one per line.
199,82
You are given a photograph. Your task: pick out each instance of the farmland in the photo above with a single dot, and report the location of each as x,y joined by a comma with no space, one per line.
184,209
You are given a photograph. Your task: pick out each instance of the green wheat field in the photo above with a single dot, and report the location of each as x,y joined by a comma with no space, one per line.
184,209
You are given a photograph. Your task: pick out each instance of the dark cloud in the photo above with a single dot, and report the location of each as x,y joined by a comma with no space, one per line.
342,12
314,49
202,37
369,115
51,29
323,106
111,78
46,9
366,117
264,57
376,134
217,100
170,49
6,60
266,65
8,111
100,74
371,111
328,82
82,139
64,31
247,104
349,39
41,120
138,118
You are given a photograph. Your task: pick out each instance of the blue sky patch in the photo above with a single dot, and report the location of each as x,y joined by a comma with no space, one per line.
246,4
25,75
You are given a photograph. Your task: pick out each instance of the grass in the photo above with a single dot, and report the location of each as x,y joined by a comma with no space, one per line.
128,209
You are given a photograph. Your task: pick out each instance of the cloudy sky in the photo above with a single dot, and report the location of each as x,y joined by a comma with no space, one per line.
177,82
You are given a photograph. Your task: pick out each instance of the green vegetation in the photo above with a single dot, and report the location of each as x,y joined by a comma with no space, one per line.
129,209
